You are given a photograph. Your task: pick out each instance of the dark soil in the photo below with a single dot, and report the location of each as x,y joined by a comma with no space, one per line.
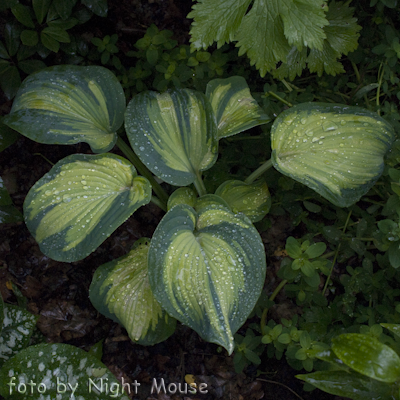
58,292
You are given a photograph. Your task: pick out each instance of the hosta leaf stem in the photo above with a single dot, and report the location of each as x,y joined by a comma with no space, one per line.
259,171
134,159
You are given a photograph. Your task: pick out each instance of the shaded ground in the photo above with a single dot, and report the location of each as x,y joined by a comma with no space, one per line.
58,292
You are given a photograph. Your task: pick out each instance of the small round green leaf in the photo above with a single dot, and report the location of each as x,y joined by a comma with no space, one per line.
336,150
74,207
121,291
58,371
174,134
252,199
29,37
69,104
207,268
234,107
368,356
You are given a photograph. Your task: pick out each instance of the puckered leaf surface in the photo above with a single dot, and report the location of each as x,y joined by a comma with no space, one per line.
74,207
207,268
336,150
120,290
68,104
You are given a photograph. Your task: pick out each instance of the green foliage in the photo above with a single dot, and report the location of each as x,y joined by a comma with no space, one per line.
159,64
206,262
294,33
360,367
39,29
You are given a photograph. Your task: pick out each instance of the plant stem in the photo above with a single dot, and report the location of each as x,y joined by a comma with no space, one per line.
336,254
199,185
272,297
41,155
280,98
158,203
134,159
259,171
359,81
378,91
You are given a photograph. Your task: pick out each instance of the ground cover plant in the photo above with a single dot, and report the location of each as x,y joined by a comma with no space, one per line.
333,145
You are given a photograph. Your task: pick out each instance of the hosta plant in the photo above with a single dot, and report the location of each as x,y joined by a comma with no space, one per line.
205,264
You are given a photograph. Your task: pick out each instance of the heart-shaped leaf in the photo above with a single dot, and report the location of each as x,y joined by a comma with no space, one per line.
121,291
69,104
207,268
368,356
58,371
252,199
233,106
173,133
334,149
74,207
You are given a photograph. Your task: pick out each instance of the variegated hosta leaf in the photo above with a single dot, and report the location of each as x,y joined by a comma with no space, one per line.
234,107
207,268
72,209
183,195
252,199
120,290
69,104
336,150
173,133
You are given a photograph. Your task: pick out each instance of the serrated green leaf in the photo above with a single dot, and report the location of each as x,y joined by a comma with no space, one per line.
74,207
216,22
282,24
29,37
334,149
69,104
121,291
347,384
251,199
234,107
60,371
368,356
174,134
98,7
18,325
41,7
57,34
23,14
207,268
